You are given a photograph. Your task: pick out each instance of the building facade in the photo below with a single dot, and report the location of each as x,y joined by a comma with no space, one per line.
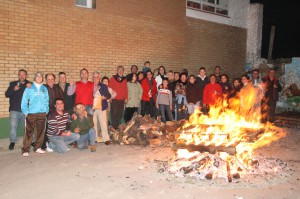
54,36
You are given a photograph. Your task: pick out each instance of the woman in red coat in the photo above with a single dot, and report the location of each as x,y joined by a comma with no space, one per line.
212,92
149,95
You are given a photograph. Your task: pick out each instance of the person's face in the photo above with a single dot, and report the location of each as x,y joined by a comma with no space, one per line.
141,76
176,76
147,65
271,74
170,76
192,80
223,79
236,83
134,77
96,78
22,76
155,72
202,73
165,83
217,70
80,109
62,78
212,79
120,71
149,75
50,80
39,79
161,71
255,75
244,80
183,78
105,81
134,70
84,75
59,105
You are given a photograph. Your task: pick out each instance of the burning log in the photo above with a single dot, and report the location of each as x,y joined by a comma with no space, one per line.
231,150
228,172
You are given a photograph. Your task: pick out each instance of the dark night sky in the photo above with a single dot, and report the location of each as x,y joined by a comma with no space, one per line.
285,15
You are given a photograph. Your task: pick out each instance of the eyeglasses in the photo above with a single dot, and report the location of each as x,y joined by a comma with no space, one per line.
79,108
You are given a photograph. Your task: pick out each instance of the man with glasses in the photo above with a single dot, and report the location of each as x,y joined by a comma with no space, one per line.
82,124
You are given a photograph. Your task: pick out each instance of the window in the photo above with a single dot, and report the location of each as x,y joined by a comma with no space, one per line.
219,7
86,3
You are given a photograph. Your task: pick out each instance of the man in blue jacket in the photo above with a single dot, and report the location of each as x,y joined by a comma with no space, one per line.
14,93
35,106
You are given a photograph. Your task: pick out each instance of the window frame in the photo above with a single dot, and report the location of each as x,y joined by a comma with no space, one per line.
199,4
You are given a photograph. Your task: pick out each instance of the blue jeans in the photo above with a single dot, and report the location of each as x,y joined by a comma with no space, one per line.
83,140
15,117
163,110
60,144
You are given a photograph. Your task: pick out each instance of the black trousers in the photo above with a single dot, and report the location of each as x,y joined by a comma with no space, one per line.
129,111
148,107
116,112
268,107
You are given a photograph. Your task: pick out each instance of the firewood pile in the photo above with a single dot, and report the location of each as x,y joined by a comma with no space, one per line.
144,130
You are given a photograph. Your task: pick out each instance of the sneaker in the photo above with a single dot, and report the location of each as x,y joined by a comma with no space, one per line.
93,148
25,154
11,146
48,148
40,151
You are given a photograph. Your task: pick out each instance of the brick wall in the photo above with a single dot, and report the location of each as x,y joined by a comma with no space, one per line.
54,36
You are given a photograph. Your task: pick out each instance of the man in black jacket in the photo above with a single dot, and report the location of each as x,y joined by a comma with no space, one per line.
15,93
272,88
202,80
68,100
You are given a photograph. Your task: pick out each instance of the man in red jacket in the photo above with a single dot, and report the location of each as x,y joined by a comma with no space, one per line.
83,90
118,83
212,92
149,95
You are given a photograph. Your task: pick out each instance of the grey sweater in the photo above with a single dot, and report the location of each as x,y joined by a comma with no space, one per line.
164,97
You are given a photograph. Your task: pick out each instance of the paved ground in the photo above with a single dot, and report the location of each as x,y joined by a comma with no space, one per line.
126,172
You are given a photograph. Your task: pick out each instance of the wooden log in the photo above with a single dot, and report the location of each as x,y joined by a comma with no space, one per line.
228,172
231,150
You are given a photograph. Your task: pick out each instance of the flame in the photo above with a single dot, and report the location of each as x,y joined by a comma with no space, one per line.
230,123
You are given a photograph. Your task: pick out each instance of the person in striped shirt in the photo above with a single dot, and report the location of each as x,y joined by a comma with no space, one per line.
58,124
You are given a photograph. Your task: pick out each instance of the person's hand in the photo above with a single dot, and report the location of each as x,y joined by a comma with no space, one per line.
67,133
126,101
226,87
17,87
85,113
77,130
103,97
157,106
74,116
171,107
275,86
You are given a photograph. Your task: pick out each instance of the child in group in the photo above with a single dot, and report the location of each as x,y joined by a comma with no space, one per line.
164,101
113,94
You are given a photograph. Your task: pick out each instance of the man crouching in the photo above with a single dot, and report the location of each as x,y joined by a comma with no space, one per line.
59,135
83,124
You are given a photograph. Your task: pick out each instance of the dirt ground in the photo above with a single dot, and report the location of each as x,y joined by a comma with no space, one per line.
129,172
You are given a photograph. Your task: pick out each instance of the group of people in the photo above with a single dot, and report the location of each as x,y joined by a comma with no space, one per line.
58,114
